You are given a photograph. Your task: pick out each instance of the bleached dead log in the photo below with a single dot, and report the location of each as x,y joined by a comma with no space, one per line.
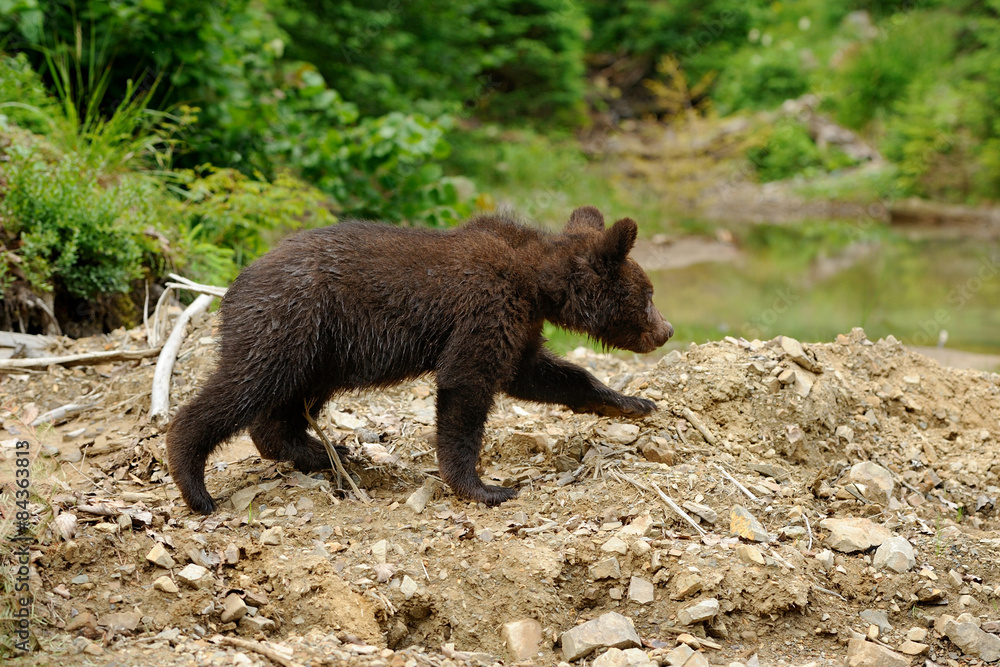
153,334
160,399
30,341
63,412
83,359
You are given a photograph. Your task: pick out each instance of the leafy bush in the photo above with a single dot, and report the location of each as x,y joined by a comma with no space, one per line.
879,73
68,231
228,219
256,111
761,79
502,60
787,150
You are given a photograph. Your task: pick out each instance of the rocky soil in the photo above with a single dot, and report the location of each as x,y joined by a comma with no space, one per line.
788,504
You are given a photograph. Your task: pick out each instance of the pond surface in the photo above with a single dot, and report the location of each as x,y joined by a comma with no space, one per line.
813,286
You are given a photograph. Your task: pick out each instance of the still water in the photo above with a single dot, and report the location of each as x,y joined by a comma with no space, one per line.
812,287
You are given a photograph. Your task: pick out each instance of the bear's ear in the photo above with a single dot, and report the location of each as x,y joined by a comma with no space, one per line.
618,241
585,218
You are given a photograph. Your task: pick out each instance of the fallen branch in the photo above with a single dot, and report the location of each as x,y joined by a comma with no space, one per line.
159,402
83,359
331,451
739,486
30,341
153,334
184,283
696,422
257,647
676,508
63,412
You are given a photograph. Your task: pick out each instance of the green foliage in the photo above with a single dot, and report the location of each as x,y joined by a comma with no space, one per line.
879,73
701,35
503,60
766,78
20,84
69,231
256,110
229,219
788,150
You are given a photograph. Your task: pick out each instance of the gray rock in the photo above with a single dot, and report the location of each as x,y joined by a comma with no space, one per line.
615,657
850,535
418,499
608,630
254,624
686,585
165,584
158,556
522,638
861,653
750,554
234,608
126,621
380,550
876,617
705,610
620,434
640,590
896,554
615,545
231,554
605,569
668,360
826,558
272,536
679,656
877,480
745,525
972,640
195,576
771,470
408,588
793,350
704,512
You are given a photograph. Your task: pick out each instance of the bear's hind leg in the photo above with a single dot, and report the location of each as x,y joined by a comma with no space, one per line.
281,436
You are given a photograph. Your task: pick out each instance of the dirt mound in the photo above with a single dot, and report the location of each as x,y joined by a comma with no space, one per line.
762,446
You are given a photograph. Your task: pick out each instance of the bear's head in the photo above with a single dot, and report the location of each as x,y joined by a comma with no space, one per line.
606,294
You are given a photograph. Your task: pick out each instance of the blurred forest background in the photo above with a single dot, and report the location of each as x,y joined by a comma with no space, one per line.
140,137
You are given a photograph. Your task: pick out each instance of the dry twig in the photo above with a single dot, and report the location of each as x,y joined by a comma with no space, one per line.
331,451
676,508
82,359
697,423
739,486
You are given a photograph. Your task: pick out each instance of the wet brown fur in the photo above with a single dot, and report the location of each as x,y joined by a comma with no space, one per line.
366,305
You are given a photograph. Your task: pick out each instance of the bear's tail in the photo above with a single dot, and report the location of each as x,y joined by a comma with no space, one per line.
214,416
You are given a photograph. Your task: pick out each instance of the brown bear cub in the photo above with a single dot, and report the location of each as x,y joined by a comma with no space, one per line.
360,305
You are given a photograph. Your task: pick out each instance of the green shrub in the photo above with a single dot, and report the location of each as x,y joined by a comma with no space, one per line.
502,60
68,231
879,73
760,79
228,219
787,151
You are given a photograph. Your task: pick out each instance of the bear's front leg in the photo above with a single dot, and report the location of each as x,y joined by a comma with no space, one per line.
462,410
545,378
